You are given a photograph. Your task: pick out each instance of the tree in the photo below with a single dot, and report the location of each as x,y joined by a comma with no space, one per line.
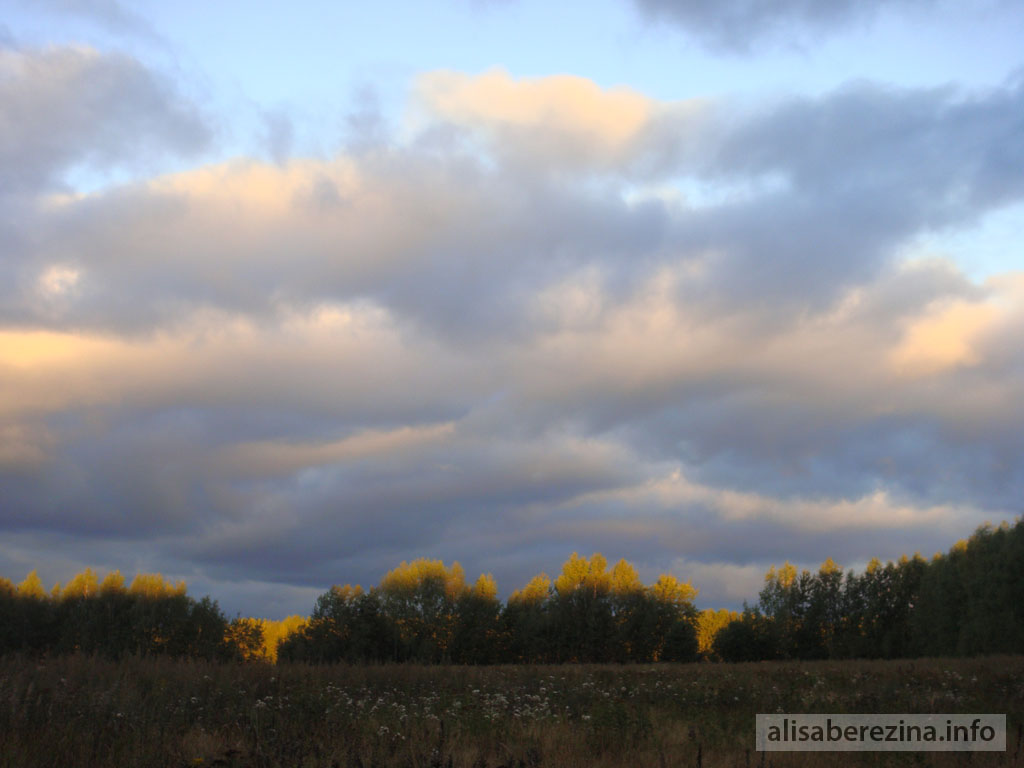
244,640
709,624
476,639
421,598
749,638
582,612
526,621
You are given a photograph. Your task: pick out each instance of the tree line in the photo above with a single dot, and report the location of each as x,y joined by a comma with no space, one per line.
150,616
422,611
426,612
967,602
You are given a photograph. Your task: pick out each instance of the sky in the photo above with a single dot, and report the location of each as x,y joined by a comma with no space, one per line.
290,293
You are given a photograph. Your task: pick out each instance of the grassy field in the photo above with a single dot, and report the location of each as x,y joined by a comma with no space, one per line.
80,712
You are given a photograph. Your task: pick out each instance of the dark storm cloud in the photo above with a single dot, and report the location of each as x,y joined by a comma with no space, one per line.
740,25
62,108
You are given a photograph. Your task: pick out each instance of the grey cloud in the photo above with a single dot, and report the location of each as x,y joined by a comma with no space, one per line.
946,152
109,14
742,25
423,233
279,135
861,169
424,240
65,107
581,346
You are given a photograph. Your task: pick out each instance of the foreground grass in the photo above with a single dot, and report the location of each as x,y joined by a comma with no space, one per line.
85,712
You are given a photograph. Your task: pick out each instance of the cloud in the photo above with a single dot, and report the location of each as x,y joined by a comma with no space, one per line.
65,107
421,229
725,583
273,457
944,338
564,123
109,14
562,118
740,26
302,372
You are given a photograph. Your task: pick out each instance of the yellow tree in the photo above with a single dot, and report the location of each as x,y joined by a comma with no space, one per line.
477,636
527,621
420,597
485,588
536,591
629,608
709,624
81,586
625,580
113,584
669,590
275,632
154,585
672,601
583,613
32,587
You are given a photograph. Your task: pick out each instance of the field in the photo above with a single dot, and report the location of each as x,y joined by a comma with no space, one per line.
82,712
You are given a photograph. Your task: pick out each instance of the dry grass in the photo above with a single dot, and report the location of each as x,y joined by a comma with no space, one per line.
86,712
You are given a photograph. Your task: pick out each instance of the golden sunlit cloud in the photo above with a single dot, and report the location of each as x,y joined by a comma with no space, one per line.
563,121
41,349
561,103
945,338
268,189
272,457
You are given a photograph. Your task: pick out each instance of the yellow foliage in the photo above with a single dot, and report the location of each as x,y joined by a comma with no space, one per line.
113,583
578,572
536,591
625,579
348,593
271,633
407,577
276,631
670,590
154,585
785,576
486,588
246,637
829,566
32,587
81,585
709,623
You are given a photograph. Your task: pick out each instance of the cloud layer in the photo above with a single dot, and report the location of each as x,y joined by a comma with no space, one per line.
551,317
742,25
66,107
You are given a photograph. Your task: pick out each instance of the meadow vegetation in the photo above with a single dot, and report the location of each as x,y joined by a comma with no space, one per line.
150,712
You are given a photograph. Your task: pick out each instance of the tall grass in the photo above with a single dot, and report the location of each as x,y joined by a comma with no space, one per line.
82,712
